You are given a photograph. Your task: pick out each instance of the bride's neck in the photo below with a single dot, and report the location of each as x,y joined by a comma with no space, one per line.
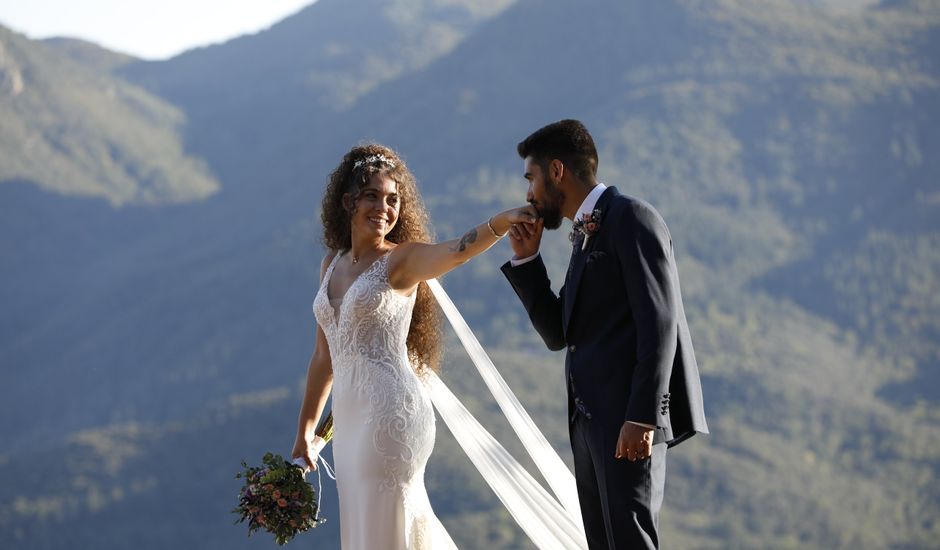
366,247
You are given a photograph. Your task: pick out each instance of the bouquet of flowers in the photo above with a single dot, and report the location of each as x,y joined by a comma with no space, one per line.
275,496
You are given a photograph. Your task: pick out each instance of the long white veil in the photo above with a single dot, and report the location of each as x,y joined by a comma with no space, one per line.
550,521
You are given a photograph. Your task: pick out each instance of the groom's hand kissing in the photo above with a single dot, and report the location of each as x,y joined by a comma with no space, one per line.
525,238
635,442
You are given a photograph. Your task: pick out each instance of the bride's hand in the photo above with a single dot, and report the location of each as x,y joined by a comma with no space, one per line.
524,228
524,214
525,238
303,449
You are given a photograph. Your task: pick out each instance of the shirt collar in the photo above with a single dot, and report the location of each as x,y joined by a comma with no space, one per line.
587,207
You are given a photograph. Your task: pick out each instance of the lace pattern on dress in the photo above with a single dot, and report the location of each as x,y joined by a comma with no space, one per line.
368,348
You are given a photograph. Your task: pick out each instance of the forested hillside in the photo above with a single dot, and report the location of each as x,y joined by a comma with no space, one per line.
160,233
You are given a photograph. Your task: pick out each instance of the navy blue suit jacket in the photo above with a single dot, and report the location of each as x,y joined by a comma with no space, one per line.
620,317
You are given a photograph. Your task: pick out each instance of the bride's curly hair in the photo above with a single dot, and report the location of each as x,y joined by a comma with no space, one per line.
424,334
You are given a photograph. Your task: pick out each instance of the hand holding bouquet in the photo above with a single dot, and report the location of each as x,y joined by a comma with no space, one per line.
310,450
275,496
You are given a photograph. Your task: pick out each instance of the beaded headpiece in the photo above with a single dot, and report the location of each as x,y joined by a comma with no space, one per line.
372,159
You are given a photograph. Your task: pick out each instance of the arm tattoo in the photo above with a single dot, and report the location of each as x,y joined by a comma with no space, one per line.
469,237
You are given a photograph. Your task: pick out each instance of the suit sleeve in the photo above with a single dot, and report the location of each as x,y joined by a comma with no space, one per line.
645,252
531,283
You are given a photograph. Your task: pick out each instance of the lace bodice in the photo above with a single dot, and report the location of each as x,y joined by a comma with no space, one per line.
370,324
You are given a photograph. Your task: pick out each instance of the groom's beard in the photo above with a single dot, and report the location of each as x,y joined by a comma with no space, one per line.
550,208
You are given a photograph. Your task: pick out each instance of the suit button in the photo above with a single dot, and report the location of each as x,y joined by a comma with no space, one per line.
571,348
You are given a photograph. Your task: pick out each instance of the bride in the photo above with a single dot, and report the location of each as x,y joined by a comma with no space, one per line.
378,337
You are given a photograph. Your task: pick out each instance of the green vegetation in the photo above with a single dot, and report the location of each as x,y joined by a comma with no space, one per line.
786,144
75,129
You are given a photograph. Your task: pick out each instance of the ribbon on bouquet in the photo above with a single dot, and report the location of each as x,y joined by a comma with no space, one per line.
318,444
550,523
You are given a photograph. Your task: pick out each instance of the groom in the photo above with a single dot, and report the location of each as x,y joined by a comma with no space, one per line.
633,384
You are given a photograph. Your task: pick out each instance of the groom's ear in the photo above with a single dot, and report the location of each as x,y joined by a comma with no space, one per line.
556,170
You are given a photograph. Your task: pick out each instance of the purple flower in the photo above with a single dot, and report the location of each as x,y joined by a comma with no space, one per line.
588,225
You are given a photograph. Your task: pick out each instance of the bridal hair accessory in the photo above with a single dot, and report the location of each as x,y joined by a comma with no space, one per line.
372,159
276,497
588,225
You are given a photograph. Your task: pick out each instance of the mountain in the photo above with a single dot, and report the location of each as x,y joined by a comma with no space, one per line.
73,128
787,145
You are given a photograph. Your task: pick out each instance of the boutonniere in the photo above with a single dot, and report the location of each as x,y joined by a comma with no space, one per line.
588,225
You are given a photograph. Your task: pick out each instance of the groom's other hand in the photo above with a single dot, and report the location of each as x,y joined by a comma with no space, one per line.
634,443
524,238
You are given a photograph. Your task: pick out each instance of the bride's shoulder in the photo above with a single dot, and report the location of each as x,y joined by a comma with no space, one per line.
401,255
396,251
397,265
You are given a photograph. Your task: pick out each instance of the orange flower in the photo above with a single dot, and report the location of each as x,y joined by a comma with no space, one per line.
277,494
281,502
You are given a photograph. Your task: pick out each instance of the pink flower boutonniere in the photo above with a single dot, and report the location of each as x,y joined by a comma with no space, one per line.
588,225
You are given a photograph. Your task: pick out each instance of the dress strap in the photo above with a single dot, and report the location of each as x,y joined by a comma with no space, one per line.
329,269
329,273
380,265
384,274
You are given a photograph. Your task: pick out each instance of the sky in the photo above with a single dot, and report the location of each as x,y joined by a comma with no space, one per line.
145,28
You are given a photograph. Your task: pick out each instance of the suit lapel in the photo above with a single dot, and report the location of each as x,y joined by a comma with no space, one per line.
573,281
579,258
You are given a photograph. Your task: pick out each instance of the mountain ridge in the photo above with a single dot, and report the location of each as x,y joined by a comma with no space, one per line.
786,146
97,136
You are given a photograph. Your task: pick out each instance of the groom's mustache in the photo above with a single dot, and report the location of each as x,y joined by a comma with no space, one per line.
537,209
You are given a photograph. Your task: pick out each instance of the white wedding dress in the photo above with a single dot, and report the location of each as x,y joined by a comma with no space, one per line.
383,417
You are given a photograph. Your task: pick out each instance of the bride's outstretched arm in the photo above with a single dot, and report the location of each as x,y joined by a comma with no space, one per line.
415,262
316,393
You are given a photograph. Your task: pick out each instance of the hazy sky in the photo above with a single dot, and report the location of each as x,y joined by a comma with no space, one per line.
149,29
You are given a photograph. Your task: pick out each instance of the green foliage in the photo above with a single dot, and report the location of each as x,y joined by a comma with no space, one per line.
75,129
786,145
276,498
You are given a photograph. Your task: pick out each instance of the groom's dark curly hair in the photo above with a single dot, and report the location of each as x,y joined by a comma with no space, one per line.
566,140
424,334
